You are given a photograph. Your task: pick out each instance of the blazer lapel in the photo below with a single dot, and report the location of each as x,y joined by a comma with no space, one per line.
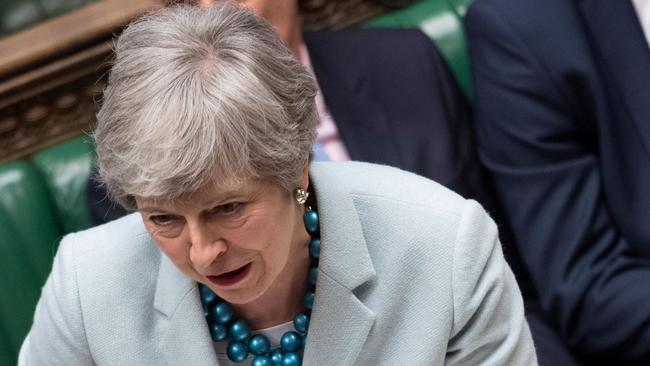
339,326
340,321
362,122
620,43
185,338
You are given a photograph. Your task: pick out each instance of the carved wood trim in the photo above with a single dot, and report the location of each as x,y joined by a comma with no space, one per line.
51,104
54,74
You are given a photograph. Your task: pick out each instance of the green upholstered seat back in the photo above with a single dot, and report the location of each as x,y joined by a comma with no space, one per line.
65,169
442,21
460,6
29,234
39,203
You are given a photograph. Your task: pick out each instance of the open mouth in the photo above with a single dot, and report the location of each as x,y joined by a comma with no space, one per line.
232,277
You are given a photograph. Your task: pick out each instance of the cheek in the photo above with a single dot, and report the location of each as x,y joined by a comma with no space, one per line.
277,243
264,233
177,250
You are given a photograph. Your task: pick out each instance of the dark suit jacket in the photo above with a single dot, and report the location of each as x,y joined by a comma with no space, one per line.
563,117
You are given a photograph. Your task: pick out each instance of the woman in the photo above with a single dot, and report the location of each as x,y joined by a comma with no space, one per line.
243,251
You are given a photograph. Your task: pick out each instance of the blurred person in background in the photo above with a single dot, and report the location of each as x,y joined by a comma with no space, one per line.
563,118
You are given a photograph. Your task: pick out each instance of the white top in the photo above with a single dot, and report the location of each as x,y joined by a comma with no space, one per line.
642,8
273,334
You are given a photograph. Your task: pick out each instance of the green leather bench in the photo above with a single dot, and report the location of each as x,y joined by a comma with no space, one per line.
28,237
43,199
40,201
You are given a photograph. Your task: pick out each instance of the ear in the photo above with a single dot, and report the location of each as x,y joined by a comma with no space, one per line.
303,180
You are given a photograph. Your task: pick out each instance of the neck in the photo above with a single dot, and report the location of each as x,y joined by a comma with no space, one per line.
284,15
292,35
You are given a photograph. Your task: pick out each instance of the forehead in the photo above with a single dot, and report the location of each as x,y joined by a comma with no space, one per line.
207,196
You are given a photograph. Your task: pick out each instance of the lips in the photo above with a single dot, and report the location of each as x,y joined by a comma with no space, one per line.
232,277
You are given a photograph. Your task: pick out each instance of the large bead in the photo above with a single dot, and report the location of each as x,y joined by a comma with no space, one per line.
237,351
276,357
313,275
290,341
207,296
259,345
222,312
291,359
309,300
219,332
314,248
239,330
311,221
261,361
301,322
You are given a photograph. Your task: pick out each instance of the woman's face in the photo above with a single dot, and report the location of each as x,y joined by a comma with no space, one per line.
238,240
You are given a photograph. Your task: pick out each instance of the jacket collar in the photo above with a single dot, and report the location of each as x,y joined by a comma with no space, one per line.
340,322
342,76
185,339
621,46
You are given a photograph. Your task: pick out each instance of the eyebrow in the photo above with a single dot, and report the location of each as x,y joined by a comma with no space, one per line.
207,204
150,209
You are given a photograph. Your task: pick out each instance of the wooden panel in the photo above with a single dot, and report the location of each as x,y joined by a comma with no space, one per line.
67,32
53,76
51,104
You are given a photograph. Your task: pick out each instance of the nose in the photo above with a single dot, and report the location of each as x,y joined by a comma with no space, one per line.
206,245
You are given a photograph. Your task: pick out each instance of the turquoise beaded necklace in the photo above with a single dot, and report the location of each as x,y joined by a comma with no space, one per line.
224,327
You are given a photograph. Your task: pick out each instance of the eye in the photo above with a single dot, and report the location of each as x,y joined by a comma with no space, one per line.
227,208
162,220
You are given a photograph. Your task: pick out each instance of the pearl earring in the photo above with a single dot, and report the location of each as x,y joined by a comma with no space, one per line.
301,195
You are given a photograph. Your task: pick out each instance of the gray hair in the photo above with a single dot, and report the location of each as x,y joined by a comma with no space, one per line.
198,96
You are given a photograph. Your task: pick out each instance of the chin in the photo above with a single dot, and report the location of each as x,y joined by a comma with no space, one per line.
245,295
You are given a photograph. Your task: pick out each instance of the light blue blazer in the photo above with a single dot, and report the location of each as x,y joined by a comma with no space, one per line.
410,274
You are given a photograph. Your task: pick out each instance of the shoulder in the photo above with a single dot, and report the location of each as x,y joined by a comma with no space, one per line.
528,17
115,238
410,225
382,37
110,255
524,8
393,205
108,269
360,179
